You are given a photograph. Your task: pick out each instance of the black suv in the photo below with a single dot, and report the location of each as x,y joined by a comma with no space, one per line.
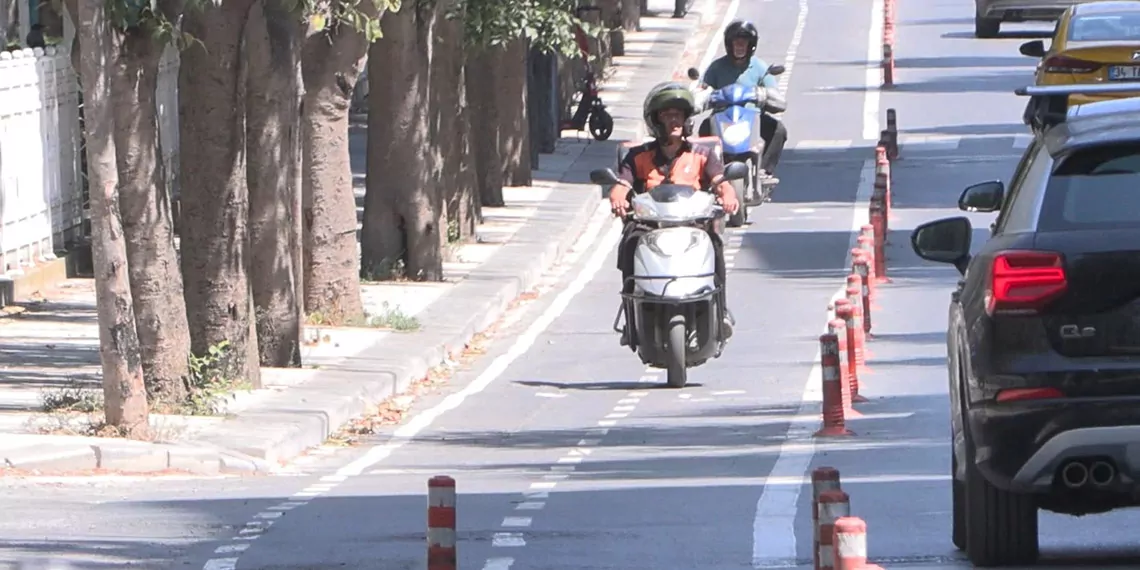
1043,341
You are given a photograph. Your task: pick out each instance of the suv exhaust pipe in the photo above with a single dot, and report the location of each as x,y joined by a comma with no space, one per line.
1074,474
1102,473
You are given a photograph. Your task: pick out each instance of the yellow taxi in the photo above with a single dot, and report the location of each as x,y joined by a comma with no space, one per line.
1094,42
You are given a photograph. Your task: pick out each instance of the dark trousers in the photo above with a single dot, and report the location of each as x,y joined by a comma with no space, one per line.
627,246
775,136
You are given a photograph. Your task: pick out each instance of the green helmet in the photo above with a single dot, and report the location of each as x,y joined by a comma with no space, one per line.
668,95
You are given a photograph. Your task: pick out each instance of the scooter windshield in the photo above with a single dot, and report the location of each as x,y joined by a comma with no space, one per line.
667,193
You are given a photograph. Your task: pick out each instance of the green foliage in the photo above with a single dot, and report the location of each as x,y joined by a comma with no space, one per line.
326,15
548,24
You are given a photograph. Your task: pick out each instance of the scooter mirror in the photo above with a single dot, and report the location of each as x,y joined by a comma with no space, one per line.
776,69
603,176
694,74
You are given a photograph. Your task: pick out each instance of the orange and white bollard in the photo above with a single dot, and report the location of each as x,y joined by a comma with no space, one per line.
892,135
860,278
833,505
844,311
888,64
849,543
441,542
838,327
822,479
855,297
879,223
834,423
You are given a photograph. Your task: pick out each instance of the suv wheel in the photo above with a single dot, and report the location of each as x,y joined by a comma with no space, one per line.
1001,527
958,497
986,27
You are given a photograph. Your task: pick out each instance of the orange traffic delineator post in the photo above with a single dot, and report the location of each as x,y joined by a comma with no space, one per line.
833,505
892,135
822,479
834,423
855,297
844,311
441,542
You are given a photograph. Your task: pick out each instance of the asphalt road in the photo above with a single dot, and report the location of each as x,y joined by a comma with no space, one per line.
570,455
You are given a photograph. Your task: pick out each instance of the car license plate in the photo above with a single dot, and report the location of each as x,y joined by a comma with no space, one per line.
1124,72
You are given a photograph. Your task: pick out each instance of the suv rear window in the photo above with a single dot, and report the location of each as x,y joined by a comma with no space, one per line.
1094,188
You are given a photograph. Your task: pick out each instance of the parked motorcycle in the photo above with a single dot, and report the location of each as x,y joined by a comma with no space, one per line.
738,127
675,317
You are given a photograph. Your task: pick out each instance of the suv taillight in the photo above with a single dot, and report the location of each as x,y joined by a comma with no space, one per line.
1022,282
1062,64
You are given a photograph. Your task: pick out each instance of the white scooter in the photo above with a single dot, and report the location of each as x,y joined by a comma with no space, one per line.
676,317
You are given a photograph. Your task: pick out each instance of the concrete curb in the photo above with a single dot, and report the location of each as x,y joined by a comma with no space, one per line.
131,456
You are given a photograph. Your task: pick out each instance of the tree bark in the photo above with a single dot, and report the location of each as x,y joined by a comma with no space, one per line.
215,198
446,91
514,125
124,390
402,207
273,42
331,65
483,114
155,277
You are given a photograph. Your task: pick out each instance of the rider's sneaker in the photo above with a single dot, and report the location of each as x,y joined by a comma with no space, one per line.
729,321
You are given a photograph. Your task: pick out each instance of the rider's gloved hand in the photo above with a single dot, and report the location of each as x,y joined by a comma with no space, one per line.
619,202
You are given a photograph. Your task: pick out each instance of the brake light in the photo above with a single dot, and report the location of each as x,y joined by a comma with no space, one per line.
1022,282
1022,394
1063,64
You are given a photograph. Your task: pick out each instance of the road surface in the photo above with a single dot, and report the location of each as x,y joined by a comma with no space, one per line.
569,455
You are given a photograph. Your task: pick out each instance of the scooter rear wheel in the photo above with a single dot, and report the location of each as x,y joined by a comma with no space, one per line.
741,216
601,124
676,373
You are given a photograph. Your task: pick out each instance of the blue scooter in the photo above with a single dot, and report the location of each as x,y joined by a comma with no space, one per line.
737,125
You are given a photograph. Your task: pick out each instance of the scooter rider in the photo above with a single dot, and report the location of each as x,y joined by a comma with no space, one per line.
739,65
669,158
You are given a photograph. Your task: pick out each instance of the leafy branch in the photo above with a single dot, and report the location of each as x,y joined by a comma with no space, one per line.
550,25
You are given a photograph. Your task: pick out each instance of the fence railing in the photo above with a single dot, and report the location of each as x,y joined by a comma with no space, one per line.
42,177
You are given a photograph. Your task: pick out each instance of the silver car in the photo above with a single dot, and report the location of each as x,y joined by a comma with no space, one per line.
991,13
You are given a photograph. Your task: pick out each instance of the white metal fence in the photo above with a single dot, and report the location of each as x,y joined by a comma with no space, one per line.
41,158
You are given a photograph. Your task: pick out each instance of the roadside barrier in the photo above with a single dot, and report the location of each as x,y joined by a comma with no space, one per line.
845,312
823,479
892,135
855,297
839,540
872,248
834,423
838,327
833,505
861,270
441,543
888,63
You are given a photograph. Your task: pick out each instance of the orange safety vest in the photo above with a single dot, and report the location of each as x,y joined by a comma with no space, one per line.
688,167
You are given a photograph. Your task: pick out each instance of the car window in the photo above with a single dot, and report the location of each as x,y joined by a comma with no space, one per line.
1095,188
1105,27
1029,175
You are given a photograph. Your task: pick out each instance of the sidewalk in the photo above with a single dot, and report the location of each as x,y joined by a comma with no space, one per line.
49,347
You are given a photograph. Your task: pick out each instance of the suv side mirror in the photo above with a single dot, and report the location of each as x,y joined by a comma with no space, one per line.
982,197
1035,48
944,241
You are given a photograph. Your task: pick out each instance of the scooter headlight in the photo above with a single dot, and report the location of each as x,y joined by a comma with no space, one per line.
736,133
673,241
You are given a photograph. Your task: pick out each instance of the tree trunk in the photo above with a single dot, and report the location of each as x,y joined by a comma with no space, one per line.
631,15
273,42
155,278
215,198
483,114
124,390
514,133
402,208
542,102
446,91
331,65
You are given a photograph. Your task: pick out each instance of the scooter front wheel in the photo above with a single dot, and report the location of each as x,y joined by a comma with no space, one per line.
676,372
601,124
739,218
